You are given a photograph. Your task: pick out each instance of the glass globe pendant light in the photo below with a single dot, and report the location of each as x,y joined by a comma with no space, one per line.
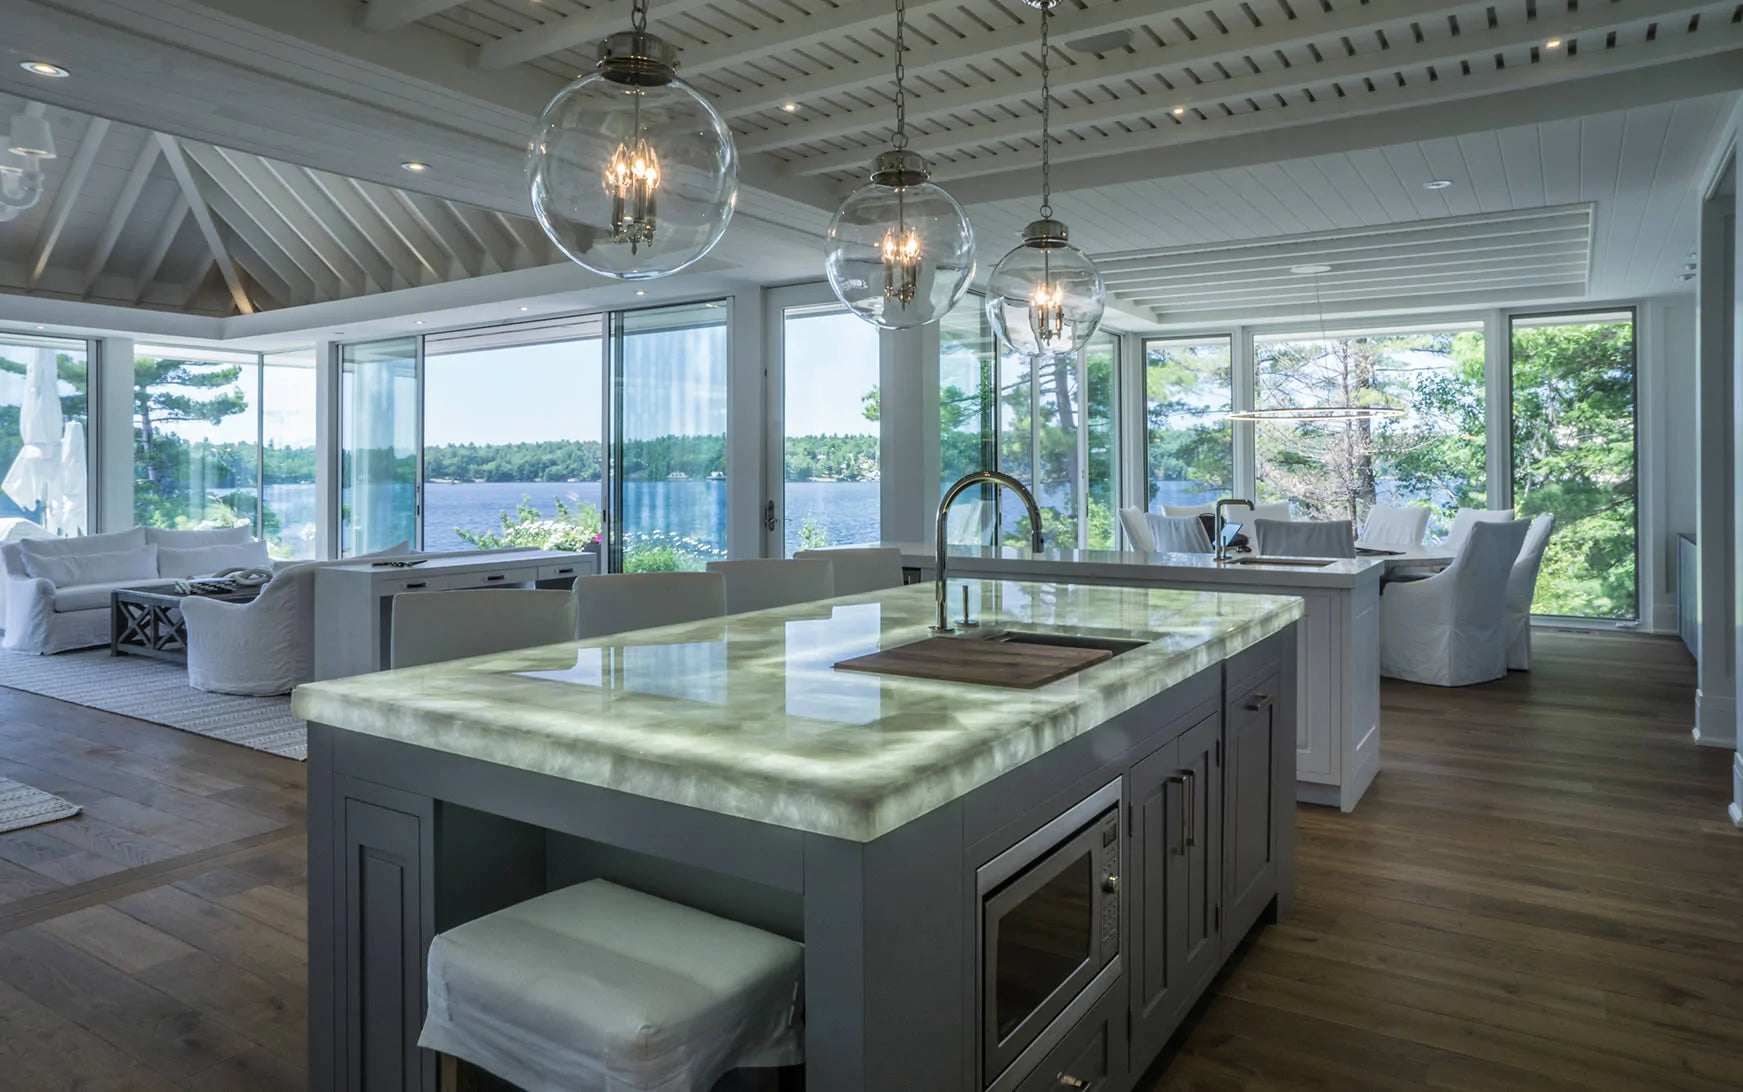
1045,298
900,250
634,174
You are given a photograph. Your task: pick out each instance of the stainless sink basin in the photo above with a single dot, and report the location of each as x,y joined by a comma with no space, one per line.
1296,562
1114,645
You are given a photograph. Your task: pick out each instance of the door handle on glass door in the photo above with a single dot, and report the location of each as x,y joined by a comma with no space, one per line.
769,520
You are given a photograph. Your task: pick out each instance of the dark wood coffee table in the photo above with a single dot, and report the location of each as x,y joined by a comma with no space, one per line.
147,620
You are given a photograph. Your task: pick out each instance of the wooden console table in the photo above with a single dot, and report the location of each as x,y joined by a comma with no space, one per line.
354,600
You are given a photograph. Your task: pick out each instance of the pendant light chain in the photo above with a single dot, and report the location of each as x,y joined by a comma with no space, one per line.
900,140
1046,120
638,15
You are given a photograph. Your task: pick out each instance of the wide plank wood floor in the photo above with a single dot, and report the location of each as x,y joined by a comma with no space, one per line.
1541,891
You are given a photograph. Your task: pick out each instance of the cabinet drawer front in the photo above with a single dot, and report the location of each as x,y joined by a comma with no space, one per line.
565,569
1091,1057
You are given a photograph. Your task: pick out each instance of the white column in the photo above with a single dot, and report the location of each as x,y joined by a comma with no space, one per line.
908,452
110,436
1498,414
1244,392
326,449
1715,490
746,423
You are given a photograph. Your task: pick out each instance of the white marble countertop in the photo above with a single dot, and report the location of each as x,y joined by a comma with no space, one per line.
746,716
1159,567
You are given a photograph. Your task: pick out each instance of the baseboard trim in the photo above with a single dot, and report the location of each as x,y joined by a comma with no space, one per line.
1715,721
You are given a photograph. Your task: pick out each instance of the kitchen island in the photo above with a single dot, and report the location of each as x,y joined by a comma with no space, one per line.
892,824
1338,752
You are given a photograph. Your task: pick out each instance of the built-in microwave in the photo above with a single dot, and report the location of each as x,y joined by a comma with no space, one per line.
1049,934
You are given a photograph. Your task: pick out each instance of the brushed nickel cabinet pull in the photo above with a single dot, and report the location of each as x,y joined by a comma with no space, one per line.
1259,704
1191,801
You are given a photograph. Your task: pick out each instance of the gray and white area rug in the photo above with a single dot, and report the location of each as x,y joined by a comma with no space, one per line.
157,691
22,806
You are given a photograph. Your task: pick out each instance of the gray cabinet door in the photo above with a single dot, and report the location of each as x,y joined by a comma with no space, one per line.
1158,988
385,943
1197,911
1249,836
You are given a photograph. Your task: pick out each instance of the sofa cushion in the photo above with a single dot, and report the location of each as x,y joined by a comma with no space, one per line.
206,560
95,596
72,570
202,536
131,539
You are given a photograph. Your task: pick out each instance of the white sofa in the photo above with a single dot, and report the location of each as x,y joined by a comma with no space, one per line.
57,589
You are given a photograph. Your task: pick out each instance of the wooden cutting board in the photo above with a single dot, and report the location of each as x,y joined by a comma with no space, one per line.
984,663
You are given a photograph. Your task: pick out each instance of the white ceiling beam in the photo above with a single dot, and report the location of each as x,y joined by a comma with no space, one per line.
178,165
343,194
1279,278
433,215
530,238
1312,24
265,277
166,234
377,269
393,14
570,32
191,288
314,234
1545,270
1666,68
431,255
1457,299
828,24
66,196
484,232
120,213
1382,248
254,218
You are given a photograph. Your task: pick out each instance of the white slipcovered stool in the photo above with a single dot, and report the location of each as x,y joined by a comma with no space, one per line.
598,988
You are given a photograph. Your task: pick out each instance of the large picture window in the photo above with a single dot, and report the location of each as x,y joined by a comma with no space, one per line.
1189,442
378,445
1574,457
968,428
830,412
44,389
288,506
1431,456
196,435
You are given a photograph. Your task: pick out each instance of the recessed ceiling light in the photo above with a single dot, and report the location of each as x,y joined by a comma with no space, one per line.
1553,43
641,292
39,326
1437,184
1304,270
523,309
790,107
1178,110
43,68
420,322
416,166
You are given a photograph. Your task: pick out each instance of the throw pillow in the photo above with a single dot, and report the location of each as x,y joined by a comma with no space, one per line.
74,570
130,539
206,560
202,536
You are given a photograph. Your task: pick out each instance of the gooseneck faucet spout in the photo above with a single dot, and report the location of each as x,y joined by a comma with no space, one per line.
1222,548
963,484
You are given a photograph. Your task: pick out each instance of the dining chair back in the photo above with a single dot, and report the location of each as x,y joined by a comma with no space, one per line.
861,569
1522,589
1178,534
1393,528
620,602
1465,518
1137,530
1304,538
764,582
434,626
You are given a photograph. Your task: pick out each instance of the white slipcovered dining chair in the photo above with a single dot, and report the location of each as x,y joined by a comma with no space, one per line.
1392,528
1465,518
1522,589
764,582
620,602
435,626
1450,629
1238,513
861,569
1304,538
1137,530
1177,534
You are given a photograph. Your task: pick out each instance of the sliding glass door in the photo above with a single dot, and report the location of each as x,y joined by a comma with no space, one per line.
827,456
288,508
668,472
378,446
1573,403
513,436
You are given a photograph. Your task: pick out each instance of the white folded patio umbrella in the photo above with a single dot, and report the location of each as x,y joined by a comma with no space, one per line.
35,476
65,512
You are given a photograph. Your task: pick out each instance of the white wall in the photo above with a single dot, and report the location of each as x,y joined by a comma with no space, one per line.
1667,369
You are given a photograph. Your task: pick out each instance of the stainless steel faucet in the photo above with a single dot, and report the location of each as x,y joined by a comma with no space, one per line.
1222,549
963,484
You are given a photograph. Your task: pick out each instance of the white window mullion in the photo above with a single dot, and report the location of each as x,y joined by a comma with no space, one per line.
1244,395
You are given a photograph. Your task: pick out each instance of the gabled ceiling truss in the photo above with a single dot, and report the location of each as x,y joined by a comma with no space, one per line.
137,217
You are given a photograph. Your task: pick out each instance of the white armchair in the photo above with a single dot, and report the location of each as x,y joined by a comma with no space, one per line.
1449,629
1522,589
265,646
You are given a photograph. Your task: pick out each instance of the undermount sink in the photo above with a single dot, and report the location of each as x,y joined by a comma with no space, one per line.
1296,562
1113,645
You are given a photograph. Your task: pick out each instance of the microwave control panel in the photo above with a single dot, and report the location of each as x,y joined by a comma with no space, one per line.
1109,878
